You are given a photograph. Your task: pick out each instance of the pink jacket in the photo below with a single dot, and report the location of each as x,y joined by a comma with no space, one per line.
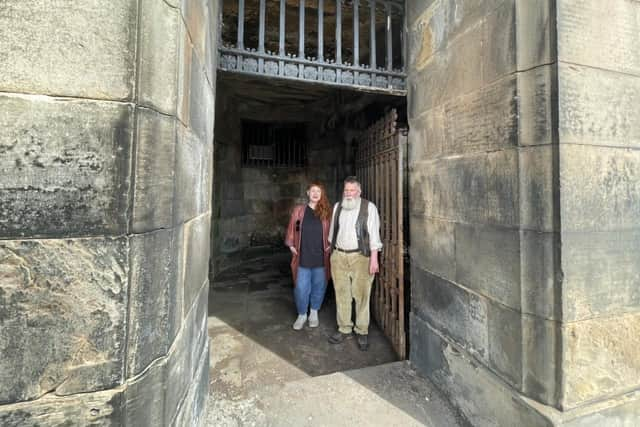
294,233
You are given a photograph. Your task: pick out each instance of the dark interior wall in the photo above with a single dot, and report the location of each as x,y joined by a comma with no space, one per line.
105,179
252,204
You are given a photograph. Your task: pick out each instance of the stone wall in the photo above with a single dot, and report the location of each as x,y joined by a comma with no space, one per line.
523,155
105,174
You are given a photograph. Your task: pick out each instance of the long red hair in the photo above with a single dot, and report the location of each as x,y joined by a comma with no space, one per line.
323,208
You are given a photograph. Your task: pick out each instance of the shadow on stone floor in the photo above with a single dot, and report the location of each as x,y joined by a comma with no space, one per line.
262,372
251,311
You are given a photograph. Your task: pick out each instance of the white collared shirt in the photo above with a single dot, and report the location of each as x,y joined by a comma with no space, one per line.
347,238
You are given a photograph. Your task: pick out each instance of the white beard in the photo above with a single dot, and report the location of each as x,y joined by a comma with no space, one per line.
350,204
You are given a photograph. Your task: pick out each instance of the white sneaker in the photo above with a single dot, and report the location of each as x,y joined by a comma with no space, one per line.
299,323
313,319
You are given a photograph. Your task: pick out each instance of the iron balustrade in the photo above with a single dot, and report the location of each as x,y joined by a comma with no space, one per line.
327,63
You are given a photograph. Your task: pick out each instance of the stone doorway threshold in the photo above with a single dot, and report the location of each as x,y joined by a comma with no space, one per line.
263,373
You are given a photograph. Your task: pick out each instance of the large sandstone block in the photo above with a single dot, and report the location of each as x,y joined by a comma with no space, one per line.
477,189
455,312
193,176
484,120
83,49
65,166
434,78
538,203
196,247
598,107
153,316
500,42
601,274
537,97
154,181
539,282
600,358
535,33
600,188
103,408
436,252
64,305
600,34
477,392
145,396
158,57
488,262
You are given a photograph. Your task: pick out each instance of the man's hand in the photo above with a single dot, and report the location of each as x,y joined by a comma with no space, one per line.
373,263
293,250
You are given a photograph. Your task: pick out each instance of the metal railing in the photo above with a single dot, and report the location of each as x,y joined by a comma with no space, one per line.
324,61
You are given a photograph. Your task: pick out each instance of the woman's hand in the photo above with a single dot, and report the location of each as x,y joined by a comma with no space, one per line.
293,250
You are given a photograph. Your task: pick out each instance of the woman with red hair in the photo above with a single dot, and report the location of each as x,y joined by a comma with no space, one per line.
308,240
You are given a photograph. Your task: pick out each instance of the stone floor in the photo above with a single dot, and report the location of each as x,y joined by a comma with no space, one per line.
262,372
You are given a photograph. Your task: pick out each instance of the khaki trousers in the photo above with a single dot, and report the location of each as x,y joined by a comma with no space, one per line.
352,281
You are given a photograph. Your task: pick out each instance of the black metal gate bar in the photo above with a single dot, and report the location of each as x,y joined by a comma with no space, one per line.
237,57
379,163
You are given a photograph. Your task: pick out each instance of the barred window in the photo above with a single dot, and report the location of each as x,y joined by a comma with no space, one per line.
277,145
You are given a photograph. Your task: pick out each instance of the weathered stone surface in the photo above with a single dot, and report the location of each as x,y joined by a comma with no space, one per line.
540,359
65,166
158,58
185,60
600,358
196,258
153,275
539,264
63,313
474,189
535,33
104,408
197,18
144,397
485,120
202,102
505,343
538,205
57,48
445,74
598,107
537,95
487,401
495,269
600,34
600,188
500,38
193,410
155,171
193,176
459,314
478,393
601,274
437,252
188,355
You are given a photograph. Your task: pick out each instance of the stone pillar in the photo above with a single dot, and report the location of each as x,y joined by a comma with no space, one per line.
524,183
105,177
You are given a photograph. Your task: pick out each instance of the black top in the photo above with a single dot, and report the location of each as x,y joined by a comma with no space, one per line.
311,250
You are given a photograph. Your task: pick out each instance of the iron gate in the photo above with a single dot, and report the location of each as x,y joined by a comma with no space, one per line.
380,166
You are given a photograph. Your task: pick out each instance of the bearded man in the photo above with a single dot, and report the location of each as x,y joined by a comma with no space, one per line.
354,236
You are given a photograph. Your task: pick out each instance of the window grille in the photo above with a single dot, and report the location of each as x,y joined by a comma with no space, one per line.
273,145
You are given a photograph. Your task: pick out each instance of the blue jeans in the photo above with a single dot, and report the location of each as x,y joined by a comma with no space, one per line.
309,289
